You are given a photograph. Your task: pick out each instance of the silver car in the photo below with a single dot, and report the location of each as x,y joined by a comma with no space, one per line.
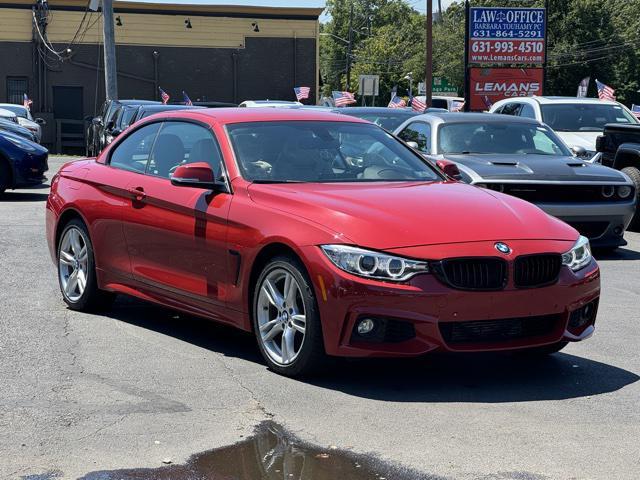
25,119
525,158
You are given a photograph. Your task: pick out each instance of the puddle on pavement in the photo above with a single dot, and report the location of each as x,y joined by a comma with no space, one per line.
271,454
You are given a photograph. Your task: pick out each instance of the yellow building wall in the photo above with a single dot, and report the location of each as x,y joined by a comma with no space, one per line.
155,30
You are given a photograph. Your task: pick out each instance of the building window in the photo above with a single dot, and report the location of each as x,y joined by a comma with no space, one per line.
16,88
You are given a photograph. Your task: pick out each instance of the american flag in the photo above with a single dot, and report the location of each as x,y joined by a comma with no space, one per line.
457,106
605,92
26,101
302,92
186,99
164,96
397,102
419,105
635,109
343,98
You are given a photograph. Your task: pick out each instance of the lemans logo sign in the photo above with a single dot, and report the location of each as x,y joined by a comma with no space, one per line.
488,85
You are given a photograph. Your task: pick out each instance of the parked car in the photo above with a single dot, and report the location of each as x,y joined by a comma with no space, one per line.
387,118
267,103
577,121
619,147
129,114
8,115
445,103
259,219
96,136
525,158
17,129
23,163
25,119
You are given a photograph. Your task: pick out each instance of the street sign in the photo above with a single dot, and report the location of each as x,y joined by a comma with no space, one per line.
439,86
368,85
507,35
488,85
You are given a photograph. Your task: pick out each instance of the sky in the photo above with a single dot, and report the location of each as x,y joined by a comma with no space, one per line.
419,5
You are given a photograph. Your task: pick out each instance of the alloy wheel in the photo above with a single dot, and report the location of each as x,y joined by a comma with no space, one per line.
281,316
73,264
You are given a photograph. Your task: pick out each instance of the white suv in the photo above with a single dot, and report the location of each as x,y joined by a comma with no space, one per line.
577,121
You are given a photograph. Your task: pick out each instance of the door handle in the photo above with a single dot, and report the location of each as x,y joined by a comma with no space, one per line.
137,193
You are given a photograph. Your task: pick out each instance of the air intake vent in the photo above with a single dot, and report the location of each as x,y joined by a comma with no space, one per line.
495,331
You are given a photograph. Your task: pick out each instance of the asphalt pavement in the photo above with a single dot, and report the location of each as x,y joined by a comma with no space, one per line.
140,385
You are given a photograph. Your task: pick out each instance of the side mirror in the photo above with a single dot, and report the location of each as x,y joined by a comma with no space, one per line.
97,121
413,145
197,175
600,143
579,151
111,125
450,169
40,121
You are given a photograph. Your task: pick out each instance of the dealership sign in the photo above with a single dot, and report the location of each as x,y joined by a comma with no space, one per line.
507,35
488,85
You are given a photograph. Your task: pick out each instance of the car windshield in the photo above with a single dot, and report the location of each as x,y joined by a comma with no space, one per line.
19,110
389,120
499,138
310,151
583,117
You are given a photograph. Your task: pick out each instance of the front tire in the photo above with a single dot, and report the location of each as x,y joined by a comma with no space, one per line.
286,321
76,270
634,174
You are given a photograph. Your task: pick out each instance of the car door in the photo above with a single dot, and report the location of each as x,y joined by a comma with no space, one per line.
176,235
126,160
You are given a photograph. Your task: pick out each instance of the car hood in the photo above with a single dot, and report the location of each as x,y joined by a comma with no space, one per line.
392,215
586,140
536,168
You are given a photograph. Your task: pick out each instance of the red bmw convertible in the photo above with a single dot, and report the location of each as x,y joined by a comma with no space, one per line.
321,233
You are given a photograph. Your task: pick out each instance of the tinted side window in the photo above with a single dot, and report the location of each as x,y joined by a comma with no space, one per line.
133,152
439,103
527,111
419,133
511,109
183,142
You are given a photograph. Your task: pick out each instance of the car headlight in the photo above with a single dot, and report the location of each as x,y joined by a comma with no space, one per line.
18,142
625,191
579,256
376,265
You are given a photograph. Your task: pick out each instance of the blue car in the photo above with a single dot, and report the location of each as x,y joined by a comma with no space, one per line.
22,162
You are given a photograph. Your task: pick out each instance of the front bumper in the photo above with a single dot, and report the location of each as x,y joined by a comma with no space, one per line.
30,170
428,305
602,223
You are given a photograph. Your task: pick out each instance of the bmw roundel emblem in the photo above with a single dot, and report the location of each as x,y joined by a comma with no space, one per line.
503,248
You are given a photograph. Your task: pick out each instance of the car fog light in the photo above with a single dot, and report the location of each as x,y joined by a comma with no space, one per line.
608,191
365,326
618,230
624,191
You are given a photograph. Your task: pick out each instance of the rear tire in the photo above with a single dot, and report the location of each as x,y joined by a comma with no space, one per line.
286,321
634,174
76,270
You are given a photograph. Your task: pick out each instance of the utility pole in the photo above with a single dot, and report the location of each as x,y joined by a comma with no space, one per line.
349,45
428,80
110,69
